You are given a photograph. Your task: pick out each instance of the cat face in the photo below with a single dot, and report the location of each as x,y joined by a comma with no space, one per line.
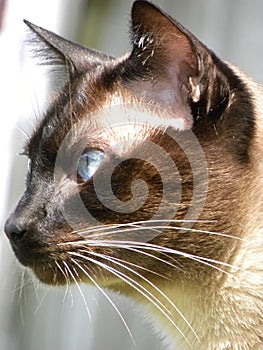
133,169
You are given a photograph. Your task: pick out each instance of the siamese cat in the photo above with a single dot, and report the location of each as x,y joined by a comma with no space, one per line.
145,177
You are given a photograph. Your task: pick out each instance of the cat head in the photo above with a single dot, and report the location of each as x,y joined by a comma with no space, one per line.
136,160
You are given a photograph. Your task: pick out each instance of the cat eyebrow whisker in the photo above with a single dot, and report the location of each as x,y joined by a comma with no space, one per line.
106,296
67,65
137,286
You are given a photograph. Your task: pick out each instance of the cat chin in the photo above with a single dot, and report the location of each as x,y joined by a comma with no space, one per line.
46,276
39,271
49,274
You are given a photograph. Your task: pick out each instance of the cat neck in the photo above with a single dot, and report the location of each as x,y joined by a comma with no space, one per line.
203,318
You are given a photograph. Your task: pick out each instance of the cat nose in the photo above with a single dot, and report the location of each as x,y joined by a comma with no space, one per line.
15,230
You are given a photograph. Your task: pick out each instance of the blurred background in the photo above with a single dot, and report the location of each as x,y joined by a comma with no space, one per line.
37,318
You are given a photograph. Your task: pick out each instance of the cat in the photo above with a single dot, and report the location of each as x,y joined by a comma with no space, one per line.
145,177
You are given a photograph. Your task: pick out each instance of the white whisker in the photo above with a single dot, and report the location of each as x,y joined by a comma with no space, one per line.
98,228
138,287
41,301
26,136
131,244
121,262
130,263
130,228
79,289
158,229
20,286
66,280
118,262
154,257
36,285
107,297
21,295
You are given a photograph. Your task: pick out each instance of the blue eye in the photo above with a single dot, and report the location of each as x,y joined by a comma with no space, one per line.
89,163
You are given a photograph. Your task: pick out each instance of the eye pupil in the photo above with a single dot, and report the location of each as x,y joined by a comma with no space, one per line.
89,163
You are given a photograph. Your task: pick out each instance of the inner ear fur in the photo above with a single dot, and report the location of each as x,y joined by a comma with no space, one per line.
176,61
56,50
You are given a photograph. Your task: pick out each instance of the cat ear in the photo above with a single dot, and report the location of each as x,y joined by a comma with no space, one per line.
57,50
183,73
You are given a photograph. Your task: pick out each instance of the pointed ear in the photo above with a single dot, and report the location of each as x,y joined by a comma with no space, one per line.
184,73
57,50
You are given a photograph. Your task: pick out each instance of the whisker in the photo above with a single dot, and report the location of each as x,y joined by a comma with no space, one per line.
173,265
36,285
107,297
106,230
79,289
131,244
98,228
190,257
66,280
135,223
20,286
26,136
138,287
154,257
20,289
108,258
163,249
118,262
62,271
67,65
41,301
121,262
128,262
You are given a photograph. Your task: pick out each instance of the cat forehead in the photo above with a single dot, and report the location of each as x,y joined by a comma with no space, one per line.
120,112
118,120
121,124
